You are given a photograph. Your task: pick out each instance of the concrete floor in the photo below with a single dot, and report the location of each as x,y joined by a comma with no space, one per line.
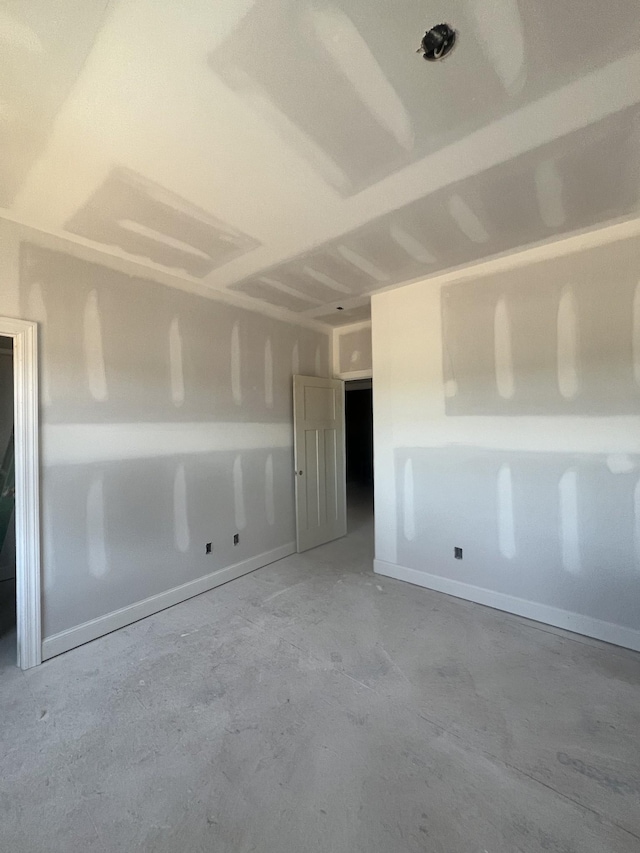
312,706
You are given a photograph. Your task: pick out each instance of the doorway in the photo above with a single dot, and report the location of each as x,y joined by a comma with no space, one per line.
26,476
359,452
8,637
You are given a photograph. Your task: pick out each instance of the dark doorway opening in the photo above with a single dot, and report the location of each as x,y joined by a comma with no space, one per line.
8,639
359,447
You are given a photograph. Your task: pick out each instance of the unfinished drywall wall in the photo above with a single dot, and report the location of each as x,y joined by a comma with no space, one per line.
507,420
166,424
352,351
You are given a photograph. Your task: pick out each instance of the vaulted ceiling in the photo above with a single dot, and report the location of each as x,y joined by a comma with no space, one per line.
300,152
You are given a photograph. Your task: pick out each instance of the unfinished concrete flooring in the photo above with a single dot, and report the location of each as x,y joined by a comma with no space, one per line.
315,707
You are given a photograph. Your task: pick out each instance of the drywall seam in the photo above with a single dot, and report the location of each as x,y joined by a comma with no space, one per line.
93,348
467,220
504,502
588,238
181,532
499,30
176,369
408,504
579,624
568,521
97,560
635,341
84,249
236,365
503,350
599,434
269,491
582,102
38,310
69,639
335,351
79,444
268,374
568,345
349,51
239,511
636,531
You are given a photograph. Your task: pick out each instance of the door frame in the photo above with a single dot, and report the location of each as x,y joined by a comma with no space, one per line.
27,473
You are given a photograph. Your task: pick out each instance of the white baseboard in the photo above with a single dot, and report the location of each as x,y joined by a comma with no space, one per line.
579,624
72,637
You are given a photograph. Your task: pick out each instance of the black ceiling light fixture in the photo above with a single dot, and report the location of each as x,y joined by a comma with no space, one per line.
438,42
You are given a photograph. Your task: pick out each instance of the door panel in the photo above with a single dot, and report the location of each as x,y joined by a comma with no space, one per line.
318,416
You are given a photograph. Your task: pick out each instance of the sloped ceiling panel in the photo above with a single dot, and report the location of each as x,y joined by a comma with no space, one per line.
147,220
341,84
300,152
571,184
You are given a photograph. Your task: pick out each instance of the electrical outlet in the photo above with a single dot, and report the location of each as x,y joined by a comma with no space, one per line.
457,553
236,538
207,548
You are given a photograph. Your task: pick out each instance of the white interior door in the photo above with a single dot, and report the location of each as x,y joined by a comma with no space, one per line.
318,419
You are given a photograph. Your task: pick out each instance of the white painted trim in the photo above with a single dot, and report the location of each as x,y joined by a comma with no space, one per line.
355,374
335,353
69,639
27,506
576,622
524,256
